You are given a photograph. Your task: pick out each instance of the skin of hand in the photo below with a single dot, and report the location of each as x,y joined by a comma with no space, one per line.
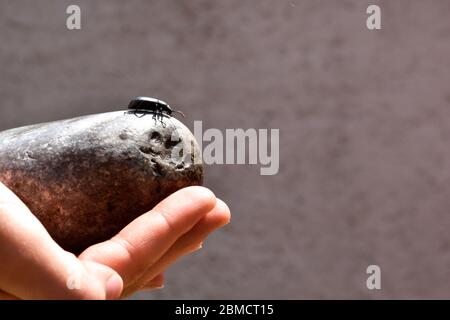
33,266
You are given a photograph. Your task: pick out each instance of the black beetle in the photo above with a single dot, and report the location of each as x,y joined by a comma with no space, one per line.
147,105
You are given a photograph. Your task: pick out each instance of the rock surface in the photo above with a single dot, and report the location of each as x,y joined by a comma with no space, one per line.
86,178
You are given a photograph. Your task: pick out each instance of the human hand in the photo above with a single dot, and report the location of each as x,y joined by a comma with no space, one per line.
33,266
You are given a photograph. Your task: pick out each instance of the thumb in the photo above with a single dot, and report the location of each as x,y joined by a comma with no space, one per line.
33,266
96,281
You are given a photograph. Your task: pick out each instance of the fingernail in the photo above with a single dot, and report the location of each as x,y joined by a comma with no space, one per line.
152,288
113,287
195,249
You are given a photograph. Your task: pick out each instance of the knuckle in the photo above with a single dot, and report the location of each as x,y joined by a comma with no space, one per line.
126,246
167,220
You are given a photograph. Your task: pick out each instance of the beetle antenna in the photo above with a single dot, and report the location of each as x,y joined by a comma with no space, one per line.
179,112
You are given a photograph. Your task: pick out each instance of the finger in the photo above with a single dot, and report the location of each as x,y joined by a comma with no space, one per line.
7,296
156,283
148,237
33,266
218,217
188,243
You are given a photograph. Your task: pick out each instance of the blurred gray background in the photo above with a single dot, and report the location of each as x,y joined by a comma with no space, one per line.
363,117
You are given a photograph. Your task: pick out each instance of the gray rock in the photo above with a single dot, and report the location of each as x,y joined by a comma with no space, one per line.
86,178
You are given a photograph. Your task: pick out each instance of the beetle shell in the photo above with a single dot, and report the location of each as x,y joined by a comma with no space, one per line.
147,103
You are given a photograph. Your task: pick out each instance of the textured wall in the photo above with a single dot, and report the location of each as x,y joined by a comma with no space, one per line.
364,119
